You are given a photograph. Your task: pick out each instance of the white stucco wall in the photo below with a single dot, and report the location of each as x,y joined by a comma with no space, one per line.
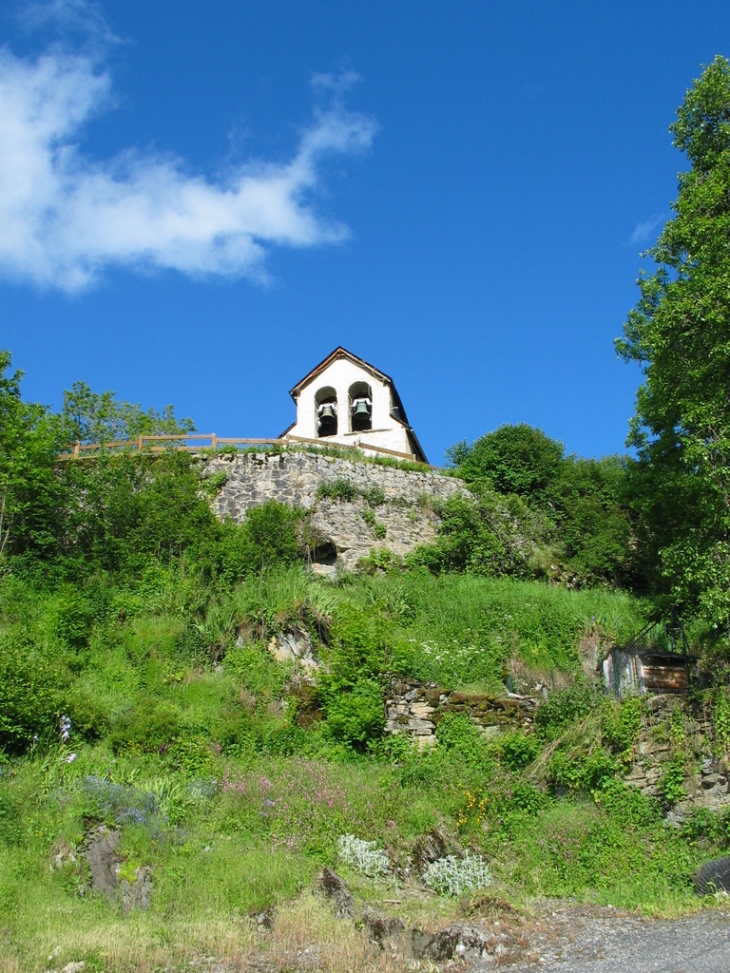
386,432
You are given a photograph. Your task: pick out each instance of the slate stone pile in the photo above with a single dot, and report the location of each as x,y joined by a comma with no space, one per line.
415,708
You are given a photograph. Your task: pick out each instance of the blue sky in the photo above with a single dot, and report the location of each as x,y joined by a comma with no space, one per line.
200,201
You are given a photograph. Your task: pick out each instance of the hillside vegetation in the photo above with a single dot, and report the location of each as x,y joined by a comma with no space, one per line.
169,790
140,696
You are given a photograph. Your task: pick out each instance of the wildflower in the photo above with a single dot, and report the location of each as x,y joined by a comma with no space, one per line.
64,728
70,757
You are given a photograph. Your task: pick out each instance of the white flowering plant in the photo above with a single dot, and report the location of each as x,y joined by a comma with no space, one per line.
364,856
453,876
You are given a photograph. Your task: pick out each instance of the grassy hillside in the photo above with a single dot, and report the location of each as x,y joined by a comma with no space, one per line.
140,700
185,739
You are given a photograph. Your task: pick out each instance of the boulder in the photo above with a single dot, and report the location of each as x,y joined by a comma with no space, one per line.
101,854
713,877
462,940
136,894
381,927
335,888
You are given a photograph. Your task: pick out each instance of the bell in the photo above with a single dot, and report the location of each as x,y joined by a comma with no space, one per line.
327,411
361,408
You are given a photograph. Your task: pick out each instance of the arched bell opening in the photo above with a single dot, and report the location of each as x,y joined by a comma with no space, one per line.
325,405
361,407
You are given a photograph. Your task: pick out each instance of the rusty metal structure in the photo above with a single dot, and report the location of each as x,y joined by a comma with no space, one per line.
654,660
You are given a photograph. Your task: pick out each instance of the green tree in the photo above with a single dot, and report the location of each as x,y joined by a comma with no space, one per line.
680,334
97,417
124,509
514,459
592,509
30,493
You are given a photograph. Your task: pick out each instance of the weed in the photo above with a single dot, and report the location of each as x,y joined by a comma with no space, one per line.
338,489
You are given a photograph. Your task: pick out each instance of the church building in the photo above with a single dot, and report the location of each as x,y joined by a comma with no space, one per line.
345,400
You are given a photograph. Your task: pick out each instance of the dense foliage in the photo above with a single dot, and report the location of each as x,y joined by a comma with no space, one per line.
679,333
537,512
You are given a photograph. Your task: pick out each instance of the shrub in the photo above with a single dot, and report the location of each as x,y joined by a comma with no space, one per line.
564,707
671,782
339,489
374,496
517,750
582,771
268,537
355,714
358,644
150,726
30,699
628,807
455,876
270,532
368,516
257,671
621,725
487,534
721,718
363,856
457,732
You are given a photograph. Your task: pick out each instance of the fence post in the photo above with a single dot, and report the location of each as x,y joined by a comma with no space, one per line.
214,442
76,447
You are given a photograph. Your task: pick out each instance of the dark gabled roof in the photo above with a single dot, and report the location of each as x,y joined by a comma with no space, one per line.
339,353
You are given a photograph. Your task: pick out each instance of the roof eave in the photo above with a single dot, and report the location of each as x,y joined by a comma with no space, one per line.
339,352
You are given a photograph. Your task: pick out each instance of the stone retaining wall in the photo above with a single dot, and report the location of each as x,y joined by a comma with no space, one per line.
348,529
415,708
707,781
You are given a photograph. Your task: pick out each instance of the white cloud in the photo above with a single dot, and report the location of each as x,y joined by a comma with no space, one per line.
81,17
66,217
645,230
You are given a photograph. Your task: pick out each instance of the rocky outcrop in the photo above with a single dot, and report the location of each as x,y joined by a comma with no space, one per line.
294,645
101,854
466,941
335,889
105,864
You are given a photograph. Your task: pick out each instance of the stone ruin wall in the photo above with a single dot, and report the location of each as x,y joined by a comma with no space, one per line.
415,708
707,785
406,515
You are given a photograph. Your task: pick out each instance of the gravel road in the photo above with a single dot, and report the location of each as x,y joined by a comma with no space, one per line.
584,940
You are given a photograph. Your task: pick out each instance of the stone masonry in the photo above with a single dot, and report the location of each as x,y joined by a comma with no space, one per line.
707,774
415,708
347,529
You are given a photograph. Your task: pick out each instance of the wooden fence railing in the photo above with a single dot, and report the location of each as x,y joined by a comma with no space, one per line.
194,442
